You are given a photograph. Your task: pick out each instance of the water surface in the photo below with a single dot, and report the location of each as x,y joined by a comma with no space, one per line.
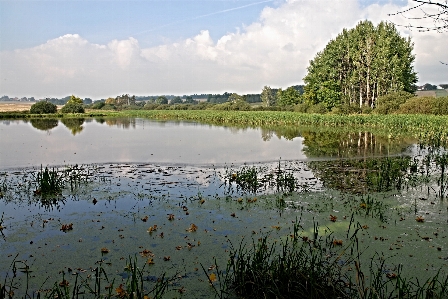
53,142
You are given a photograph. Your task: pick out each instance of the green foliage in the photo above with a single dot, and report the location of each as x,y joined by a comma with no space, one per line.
97,105
49,182
360,65
346,109
440,106
176,100
268,97
234,97
234,105
417,105
428,86
108,107
75,100
391,102
288,97
302,108
425,105
43,107
72,107
162,100
318,108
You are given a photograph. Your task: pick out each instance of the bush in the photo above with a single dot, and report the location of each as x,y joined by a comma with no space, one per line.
163,107
98,105
150,106
108,107
302,108
72,107
417,105
318,108
366,110
440,106
345,110
237,105
391,102
43,107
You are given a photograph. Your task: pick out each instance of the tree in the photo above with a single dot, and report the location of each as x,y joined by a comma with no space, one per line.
433,10
268,97
43,107
176,100
162,100
87,101
110,101
74,100
72,107
360,65
125,99
234,98
289,97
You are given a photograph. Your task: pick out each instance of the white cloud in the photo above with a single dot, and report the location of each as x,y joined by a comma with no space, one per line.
273,51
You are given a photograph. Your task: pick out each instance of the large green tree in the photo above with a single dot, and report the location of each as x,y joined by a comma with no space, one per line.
288,97
268,97
360,65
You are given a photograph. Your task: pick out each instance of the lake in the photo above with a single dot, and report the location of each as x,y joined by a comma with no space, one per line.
177,198
50,142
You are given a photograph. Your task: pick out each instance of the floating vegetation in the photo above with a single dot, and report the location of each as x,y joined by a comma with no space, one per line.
176,218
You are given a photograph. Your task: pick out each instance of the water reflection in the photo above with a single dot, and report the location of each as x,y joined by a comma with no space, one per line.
44,124
73,124
103,140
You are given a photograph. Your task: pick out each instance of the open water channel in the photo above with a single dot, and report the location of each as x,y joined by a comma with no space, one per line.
174,197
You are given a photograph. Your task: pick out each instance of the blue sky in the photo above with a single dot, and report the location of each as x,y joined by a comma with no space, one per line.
102,48
30,23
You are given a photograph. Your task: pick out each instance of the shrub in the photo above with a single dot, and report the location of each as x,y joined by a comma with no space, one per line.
346,109
132,107
440,106
98,105
108,107
417,105
163,107
302,108
391,102
43,107
366,110
150,106
237,105
72,107
318,108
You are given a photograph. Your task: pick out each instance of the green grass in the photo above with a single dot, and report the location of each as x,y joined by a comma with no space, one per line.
423,127
318,267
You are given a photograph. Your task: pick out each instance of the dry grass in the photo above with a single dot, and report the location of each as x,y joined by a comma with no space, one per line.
18,106
11,107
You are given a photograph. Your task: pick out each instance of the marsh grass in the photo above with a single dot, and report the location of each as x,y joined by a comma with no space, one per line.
96,284
254,179
48,182
318,267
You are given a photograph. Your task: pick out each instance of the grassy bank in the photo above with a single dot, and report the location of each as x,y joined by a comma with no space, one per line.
426,127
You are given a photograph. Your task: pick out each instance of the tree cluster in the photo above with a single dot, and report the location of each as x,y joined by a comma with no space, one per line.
360,65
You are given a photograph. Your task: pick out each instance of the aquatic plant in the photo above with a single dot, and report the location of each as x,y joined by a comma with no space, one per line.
49,182
318,267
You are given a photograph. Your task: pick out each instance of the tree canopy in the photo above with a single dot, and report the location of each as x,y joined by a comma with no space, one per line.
360,65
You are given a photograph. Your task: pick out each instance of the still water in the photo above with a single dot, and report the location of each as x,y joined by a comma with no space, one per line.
71,141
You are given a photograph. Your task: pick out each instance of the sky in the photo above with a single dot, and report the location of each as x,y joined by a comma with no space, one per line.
105,48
